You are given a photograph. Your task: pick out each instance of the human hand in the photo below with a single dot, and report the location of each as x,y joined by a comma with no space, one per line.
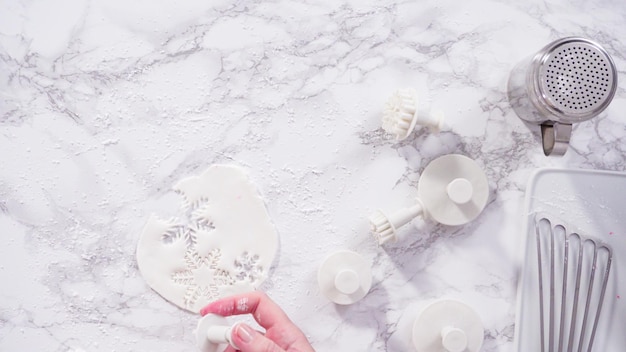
281,335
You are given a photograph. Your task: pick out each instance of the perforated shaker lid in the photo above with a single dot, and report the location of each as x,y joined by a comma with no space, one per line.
577,78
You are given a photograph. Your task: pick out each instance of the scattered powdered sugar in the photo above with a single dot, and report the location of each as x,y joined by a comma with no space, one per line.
242,305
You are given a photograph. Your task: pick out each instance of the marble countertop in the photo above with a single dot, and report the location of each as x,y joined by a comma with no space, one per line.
104,105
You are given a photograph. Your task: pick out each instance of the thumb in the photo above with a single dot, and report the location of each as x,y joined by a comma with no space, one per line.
250,340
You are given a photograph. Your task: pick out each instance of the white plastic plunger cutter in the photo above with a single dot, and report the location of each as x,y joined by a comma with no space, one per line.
213,334
452,189
401,115
448,325
344,277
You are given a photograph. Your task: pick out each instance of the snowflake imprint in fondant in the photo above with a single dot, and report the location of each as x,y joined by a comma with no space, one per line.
205,253
203,275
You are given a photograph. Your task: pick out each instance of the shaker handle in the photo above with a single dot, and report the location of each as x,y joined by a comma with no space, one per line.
555,137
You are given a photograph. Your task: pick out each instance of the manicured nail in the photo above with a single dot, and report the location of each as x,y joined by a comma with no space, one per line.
245,333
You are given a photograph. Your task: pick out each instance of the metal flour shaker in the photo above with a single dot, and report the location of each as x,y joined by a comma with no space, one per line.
570,80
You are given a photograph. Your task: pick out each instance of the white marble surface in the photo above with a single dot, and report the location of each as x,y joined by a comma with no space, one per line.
104,105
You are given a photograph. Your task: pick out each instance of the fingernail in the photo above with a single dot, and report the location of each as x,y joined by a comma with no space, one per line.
245,333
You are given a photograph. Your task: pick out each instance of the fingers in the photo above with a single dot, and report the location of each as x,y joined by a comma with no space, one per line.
263,309
250,340
279,328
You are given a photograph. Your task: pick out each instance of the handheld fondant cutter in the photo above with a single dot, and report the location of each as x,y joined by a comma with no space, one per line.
452,190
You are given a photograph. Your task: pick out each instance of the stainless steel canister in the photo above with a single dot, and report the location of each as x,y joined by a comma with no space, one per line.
570,80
